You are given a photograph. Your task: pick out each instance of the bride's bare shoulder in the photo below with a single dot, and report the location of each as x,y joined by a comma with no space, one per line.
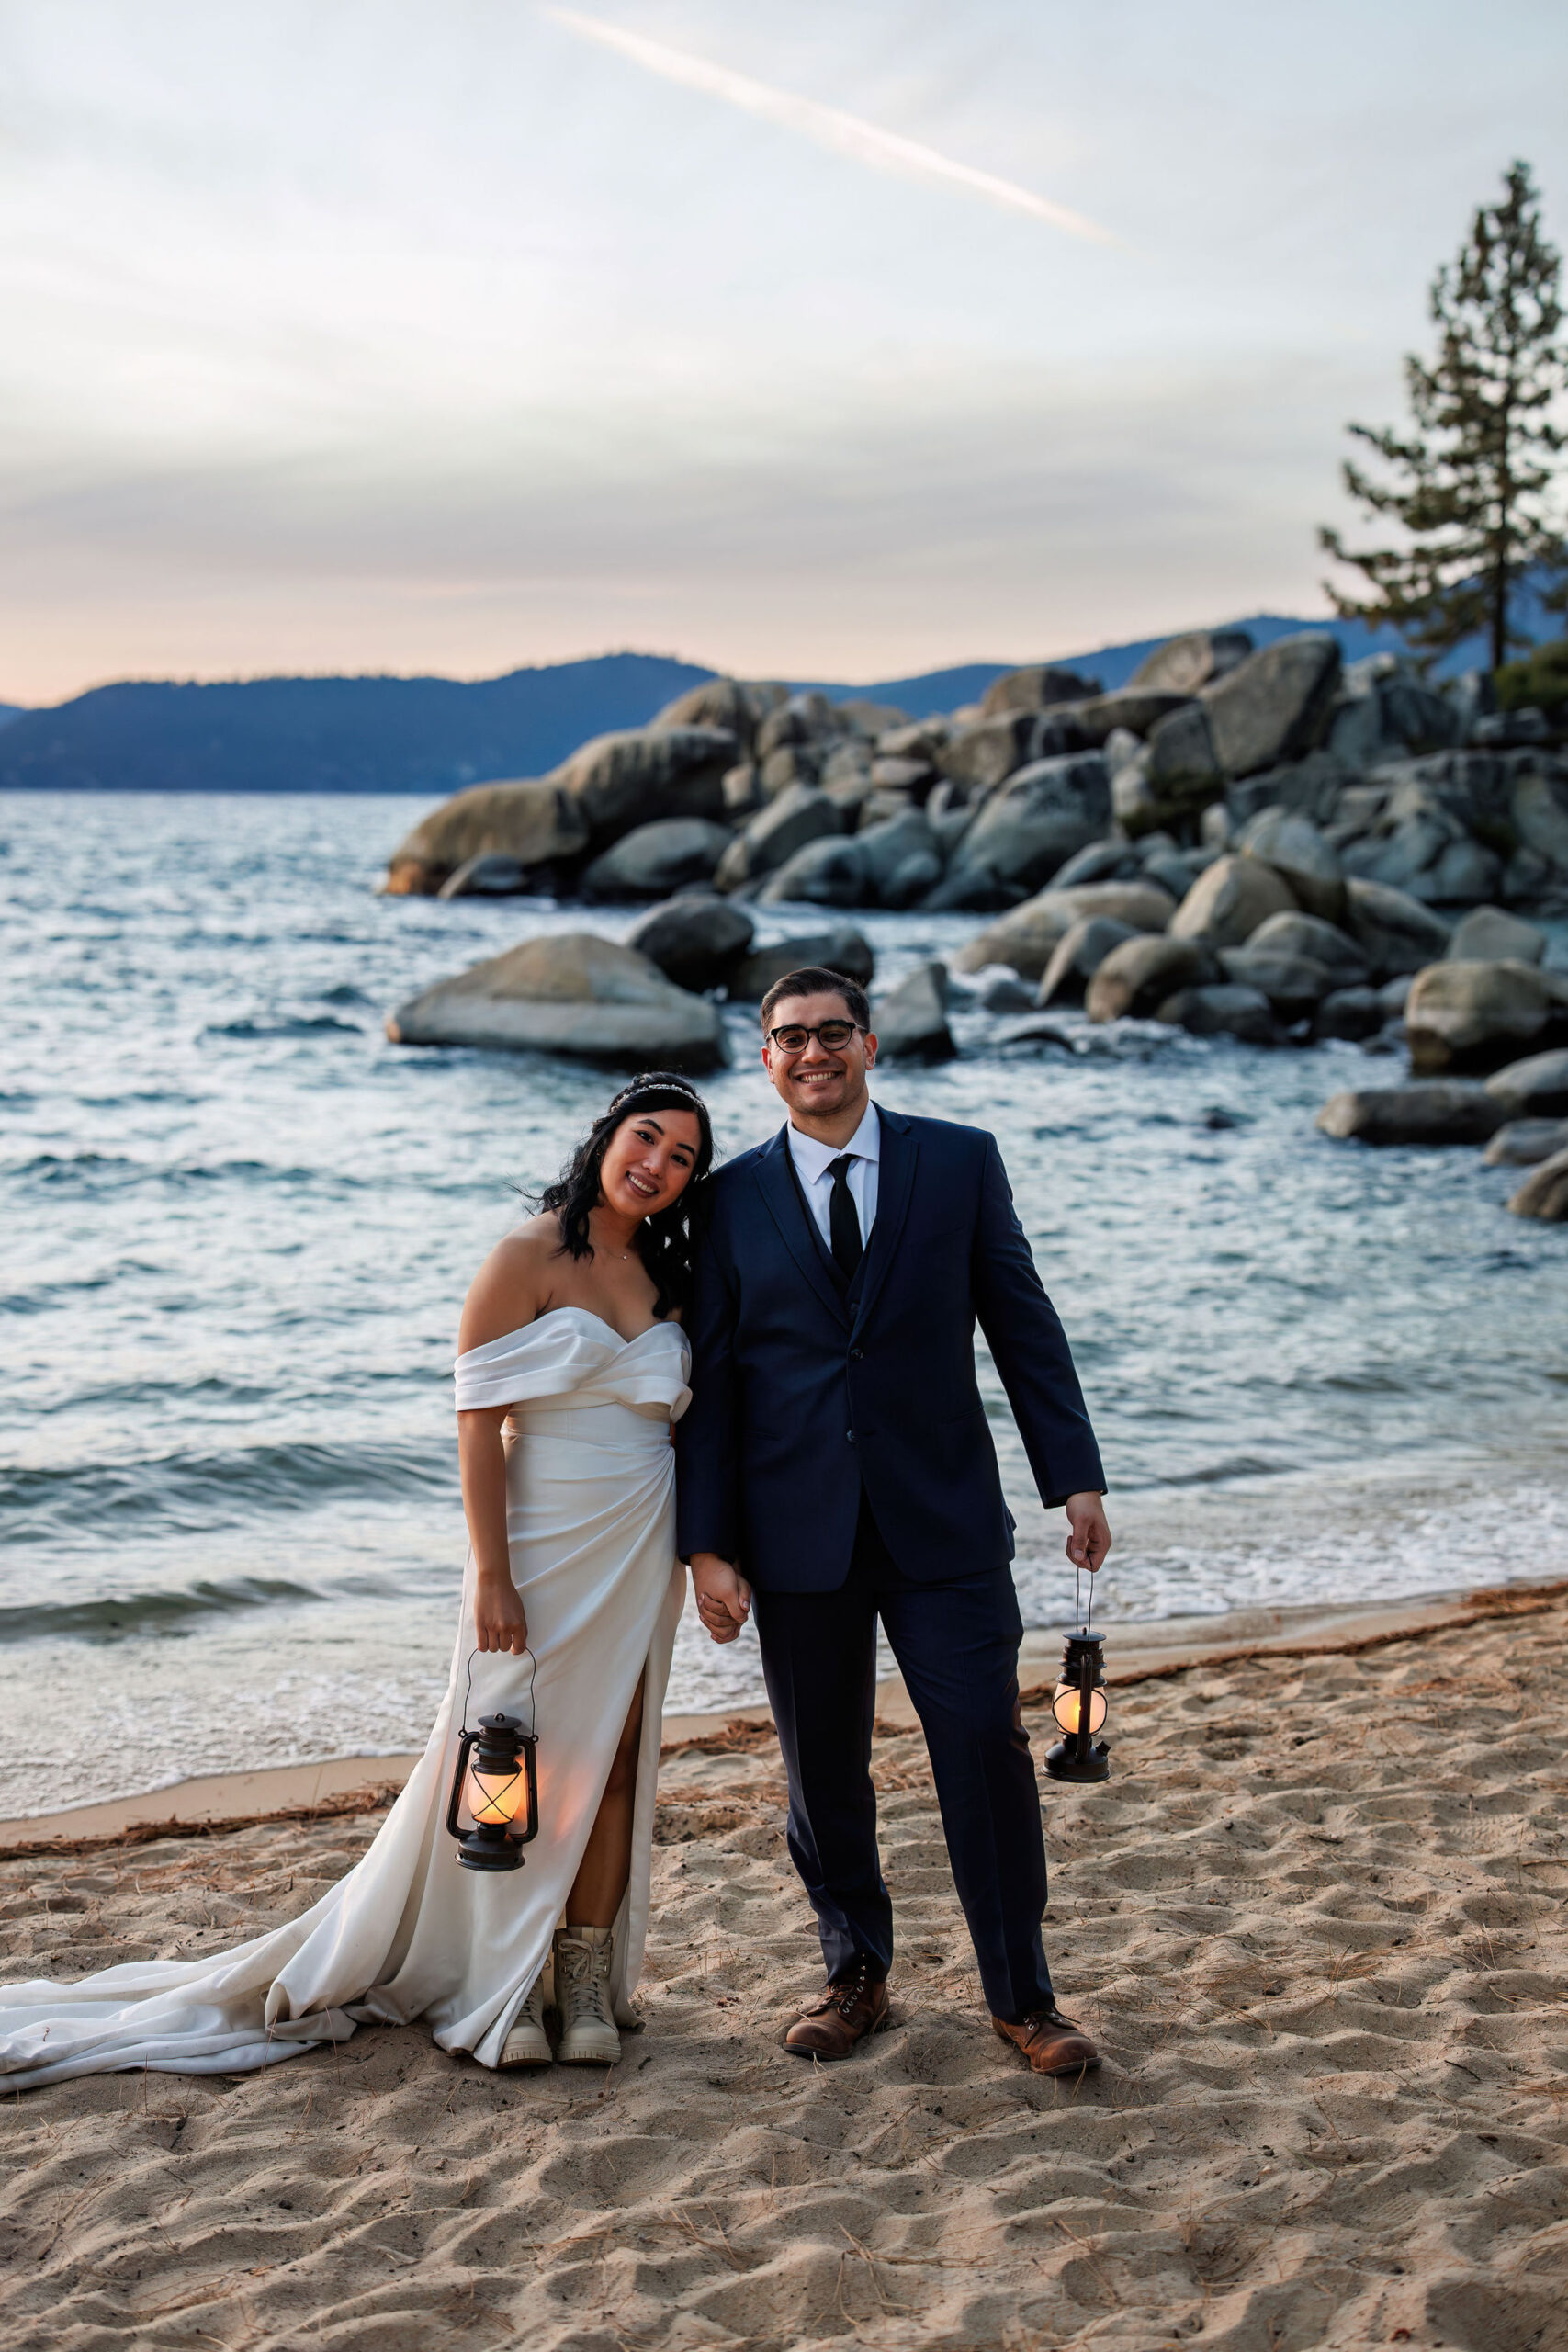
512,1286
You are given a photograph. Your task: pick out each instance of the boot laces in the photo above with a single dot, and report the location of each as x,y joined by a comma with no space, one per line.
586,1983
848,1990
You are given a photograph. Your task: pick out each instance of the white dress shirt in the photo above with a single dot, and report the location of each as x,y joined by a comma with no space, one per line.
813,1160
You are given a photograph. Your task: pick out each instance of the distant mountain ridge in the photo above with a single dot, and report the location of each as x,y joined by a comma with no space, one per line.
436,735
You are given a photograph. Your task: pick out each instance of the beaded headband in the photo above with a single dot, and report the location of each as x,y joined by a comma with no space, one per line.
656,1085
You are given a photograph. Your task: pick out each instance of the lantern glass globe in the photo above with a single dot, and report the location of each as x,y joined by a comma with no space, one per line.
1066,1705
495,1799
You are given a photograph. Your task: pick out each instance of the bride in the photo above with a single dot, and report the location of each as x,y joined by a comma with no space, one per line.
571,1373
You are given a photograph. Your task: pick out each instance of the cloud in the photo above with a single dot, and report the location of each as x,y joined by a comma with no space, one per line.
845,134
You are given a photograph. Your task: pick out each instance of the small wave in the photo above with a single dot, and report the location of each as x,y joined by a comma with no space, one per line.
96,1172
300,1025
57,1168
1214,1474
194,1493
145,1612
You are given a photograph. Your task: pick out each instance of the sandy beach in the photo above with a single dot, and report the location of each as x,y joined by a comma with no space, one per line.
1315,1920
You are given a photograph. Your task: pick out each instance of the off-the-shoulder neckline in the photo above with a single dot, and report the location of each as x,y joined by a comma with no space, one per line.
548,1317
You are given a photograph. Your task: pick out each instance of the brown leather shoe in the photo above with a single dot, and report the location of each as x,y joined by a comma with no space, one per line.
1052,2043
851,2007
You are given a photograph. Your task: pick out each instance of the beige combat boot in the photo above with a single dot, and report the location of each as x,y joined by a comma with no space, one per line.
582,1991
528,2044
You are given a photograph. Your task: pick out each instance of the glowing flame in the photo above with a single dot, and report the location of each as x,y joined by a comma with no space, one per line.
495,1798
1066,1703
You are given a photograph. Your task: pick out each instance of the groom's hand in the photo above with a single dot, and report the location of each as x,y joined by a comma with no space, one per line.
724,1598
1091,1538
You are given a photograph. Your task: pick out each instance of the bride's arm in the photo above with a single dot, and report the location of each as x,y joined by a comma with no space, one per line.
499,1620
510,1289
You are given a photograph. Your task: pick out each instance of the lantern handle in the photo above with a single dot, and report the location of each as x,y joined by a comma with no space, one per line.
532,1711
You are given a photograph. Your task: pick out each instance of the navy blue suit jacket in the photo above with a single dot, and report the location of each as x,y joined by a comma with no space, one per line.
799,1396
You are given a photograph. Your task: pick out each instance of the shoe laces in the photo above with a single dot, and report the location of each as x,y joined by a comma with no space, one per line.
843,1996
587,1982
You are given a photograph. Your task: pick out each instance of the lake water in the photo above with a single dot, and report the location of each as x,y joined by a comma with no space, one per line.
236,1227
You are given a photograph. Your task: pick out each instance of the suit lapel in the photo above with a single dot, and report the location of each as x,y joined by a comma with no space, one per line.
895,1184
777,1185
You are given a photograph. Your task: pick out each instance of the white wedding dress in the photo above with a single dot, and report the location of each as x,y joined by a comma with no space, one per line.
409,1933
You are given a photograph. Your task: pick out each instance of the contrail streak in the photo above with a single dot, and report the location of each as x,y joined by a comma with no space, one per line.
846,134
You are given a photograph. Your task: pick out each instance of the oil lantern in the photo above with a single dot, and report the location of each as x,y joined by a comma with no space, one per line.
1080,1705
497,1787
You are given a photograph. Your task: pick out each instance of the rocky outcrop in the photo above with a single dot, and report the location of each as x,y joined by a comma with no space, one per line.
696,942
1397,933
1536,1088
1137,977
633,778
1102,862
1079,955
653,861
1221,1010
1299,935
1183,665
1274,706
1487,935
490,875
1091,725
898,858
798,720
1382,711
730,703
1353,1014
535,823
1525,1142
984,754
1177,774
843,950
1294,984
1229,901
1443,1110
1308,863
1415,826
825,873
774,835
570,993
911,1021
1035,689
1270,708
1538,805
1544,1194
1026,937
1037,820
1481,1016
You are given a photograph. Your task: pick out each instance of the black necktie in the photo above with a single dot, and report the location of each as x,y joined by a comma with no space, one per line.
843,1224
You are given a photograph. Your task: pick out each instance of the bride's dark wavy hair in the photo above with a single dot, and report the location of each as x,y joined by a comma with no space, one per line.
664,1241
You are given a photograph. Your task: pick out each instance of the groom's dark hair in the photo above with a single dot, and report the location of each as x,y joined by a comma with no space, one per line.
816,979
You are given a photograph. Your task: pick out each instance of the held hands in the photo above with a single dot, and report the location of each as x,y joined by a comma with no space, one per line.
1091,1538
498,1621
724,1598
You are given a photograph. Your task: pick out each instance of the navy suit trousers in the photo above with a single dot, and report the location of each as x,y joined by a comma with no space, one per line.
956,1645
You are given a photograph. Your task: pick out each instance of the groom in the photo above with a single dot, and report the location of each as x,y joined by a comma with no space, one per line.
836,1466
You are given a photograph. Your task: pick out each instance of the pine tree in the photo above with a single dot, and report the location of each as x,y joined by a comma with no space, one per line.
1471,481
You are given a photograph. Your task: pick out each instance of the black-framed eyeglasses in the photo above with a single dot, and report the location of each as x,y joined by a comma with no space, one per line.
829,1035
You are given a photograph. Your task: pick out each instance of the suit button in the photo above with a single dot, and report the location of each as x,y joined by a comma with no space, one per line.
850,1435
856,1355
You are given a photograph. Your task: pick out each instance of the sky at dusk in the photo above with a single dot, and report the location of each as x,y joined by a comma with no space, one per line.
800,340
